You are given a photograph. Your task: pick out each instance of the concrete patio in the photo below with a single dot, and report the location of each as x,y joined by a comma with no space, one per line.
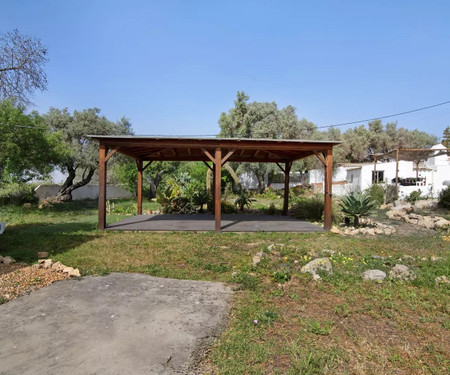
205,223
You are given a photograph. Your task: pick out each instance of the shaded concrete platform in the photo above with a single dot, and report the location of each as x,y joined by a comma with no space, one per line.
205,222
116,324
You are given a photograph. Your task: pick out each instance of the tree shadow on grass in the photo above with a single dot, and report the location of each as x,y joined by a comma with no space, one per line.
23,242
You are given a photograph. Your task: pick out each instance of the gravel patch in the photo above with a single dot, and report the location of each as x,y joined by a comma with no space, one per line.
18,278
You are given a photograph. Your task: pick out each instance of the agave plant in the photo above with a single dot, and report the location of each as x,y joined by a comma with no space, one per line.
243,200
357,205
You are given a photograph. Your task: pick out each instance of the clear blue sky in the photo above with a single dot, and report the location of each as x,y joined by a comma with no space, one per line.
172,67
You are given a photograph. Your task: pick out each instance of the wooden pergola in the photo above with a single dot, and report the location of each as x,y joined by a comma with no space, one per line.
145,150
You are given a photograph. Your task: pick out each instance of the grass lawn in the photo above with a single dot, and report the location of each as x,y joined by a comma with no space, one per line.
340,325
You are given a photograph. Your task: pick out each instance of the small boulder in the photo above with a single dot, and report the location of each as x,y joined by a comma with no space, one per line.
442,280
335,230
42,255
319,264
373,275
8,260
257,258
370,231
442,223
47,264
401,272
73,272
58,266
436,259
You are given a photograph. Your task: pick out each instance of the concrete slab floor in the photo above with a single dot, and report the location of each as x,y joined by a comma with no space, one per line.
205,222
116,324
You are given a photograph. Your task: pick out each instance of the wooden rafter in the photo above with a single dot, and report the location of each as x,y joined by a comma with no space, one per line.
226,157
205,151
321,158
111,153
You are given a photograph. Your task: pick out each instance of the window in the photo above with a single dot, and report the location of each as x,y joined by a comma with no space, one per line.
377,176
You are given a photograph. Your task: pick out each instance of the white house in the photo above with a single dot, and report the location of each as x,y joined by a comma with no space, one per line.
433,175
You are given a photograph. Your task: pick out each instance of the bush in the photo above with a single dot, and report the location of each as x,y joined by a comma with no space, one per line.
376,194
356,205
308,208
414,196
391,194
17,194
444,198
243,200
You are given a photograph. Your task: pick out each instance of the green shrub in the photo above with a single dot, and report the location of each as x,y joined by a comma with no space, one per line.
376,194
391,194
308,208
311,208
414,196
228,208
444,198
17,194
243,200
272,210
270,193
356,205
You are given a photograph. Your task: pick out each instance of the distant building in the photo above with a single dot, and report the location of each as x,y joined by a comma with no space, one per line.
429,176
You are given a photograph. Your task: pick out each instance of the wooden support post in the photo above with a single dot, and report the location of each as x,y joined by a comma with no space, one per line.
101,187
213,191
217,197
396,174
287,170
139,186
328,183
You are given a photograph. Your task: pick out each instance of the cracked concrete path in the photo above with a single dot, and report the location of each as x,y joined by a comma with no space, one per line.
121,323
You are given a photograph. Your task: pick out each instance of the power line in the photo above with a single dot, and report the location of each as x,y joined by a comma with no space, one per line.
386,116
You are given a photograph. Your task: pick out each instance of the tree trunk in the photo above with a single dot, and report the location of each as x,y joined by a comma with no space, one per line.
154,185
356,222
65,192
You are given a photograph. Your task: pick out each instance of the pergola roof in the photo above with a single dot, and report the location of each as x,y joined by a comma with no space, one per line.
408,154
193,149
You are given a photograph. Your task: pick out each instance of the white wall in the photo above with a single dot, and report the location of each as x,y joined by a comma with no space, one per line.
85,192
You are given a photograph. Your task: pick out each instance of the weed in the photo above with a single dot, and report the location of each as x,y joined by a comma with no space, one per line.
320,328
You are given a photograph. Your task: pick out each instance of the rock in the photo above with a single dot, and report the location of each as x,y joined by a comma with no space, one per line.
47,264
274,246
435,258
373,275
387,232
233,274
401,272
42,255
378,257
41,261
258,257
319,264
378,231
393,214
426,204
370,231
442,223
58,266
8,260
335,230
442,280
74,273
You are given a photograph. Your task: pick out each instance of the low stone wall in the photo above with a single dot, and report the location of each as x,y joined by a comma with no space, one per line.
85,192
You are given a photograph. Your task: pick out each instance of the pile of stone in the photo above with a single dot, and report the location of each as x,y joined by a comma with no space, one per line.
406,213
7,260
59,267
376,228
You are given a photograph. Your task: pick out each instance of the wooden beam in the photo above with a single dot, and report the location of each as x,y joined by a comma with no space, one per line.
209,167
287,170
101,187
328,186
111,153
225,158
210,157
147,165
321,158
139,187
255,154
217,192
242,152
279,166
